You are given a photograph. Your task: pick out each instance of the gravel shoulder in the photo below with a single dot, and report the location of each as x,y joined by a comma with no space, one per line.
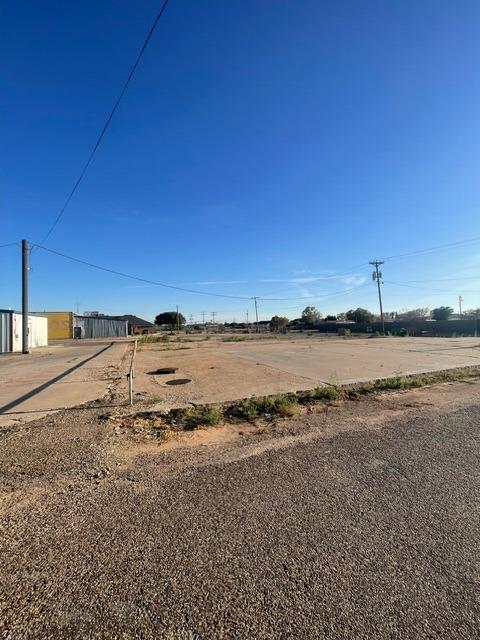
355,521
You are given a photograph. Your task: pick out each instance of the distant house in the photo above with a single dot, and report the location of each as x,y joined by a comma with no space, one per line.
137,325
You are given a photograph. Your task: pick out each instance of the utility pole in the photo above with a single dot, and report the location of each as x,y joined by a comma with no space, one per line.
214,313
25,269
248,326
178,321
256,313
203,320
377,276
460,300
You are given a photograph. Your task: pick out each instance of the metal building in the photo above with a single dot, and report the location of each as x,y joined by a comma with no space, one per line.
99,327
65,325
5,331
11,331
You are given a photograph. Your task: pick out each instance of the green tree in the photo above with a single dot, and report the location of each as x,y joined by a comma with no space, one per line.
442,313
471,313
359,315
311,315
414,314
171,318
278,322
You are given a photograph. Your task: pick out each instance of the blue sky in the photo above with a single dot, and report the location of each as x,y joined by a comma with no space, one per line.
263,148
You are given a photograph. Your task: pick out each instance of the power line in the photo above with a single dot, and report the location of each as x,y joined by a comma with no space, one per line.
411,286
138,279
320,296
325,297
449,245
9,244
447,279
315,279
177,288
106,125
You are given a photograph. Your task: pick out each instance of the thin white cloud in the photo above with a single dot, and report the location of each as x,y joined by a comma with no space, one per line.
350,279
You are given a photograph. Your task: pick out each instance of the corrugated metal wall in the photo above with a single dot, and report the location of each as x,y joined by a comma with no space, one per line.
5,331
93,327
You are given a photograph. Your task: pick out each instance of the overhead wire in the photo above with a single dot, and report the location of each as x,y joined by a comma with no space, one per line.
139,279
448,245
106,125
411,286
9,244
184,289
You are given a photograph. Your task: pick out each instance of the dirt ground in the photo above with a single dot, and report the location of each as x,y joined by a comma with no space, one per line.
223,369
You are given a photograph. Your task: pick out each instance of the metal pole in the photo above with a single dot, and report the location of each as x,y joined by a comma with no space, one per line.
460,300
25,268
377,276
134,358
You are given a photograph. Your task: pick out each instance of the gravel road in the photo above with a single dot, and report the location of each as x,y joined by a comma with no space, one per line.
359,522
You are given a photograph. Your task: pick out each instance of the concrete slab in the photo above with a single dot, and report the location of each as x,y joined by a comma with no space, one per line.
225,371
56,377
362,360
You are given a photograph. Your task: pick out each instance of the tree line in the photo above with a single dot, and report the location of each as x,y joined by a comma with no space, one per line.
311,315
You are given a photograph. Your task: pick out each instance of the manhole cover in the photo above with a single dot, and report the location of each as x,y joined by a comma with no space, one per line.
178,381
163,371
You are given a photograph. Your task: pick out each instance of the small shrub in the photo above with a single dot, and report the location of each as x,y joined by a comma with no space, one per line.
280,405
152,339
201,416
245,410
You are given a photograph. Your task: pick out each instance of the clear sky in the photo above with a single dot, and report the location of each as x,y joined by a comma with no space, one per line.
267,148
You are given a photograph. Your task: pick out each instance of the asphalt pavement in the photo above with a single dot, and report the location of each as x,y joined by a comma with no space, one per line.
364,525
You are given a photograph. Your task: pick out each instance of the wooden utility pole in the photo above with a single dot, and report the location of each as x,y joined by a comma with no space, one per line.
377,276
256,312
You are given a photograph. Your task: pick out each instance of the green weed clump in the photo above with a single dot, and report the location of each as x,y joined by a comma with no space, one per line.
152,339
201,417
244,410
328,393
281,405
